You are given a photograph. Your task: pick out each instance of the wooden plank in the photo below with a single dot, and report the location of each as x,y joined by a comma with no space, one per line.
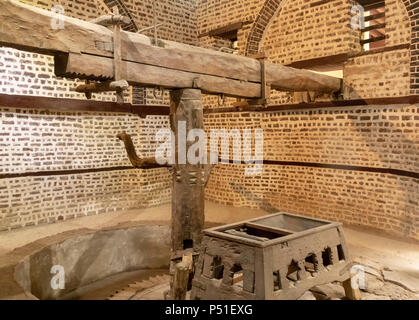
136,73
374,27
188,58
375,16
373,39
181,280
318,105
111,20
71,105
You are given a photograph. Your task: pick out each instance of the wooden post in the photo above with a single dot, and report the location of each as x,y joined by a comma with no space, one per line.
351,293
188,180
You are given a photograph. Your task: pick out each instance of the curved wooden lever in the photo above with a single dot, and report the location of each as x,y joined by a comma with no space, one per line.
136,161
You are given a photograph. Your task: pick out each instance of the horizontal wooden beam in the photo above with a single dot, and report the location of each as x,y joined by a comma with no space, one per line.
397,172
373,39
318,105
73,171
375,16
374,27
70,105
82,65
166,60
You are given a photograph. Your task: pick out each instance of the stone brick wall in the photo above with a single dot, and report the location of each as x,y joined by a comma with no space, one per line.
331,162
29,201
384,74
306,29
382,201
368,138
213,14
36,146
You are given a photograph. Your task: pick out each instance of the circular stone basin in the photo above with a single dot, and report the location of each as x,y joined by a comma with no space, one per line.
85,259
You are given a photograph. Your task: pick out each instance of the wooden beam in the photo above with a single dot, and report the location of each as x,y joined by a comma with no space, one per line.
386,101
225,29
374,27
138,52
70,105
375,16
374,39
83,66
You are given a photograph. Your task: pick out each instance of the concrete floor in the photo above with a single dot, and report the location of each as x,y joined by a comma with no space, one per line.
364,245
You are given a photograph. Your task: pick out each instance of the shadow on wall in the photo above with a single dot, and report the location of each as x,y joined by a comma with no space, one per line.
408,147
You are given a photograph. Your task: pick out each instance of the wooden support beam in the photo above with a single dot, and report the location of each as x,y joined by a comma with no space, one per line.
375,16
373,39
71,105
83,65
374,27
178,63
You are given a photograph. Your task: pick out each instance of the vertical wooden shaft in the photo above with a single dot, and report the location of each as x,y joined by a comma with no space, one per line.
188,180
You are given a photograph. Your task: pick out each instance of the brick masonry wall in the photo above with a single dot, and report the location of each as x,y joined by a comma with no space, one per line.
36,141
213,14
369,137
305,30
178,16
383,74
372,136
381,201
29,201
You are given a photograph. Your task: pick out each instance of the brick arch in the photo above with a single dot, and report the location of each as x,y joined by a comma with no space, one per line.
265,16
271,8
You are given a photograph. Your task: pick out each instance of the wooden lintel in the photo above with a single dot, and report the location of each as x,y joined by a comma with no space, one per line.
385,101
225,29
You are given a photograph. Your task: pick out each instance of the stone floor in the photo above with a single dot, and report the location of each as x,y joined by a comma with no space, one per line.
391,265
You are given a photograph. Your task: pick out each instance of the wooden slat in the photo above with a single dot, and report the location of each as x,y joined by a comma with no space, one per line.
319,105
71,105
374,27
373,39
375,16
372,6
